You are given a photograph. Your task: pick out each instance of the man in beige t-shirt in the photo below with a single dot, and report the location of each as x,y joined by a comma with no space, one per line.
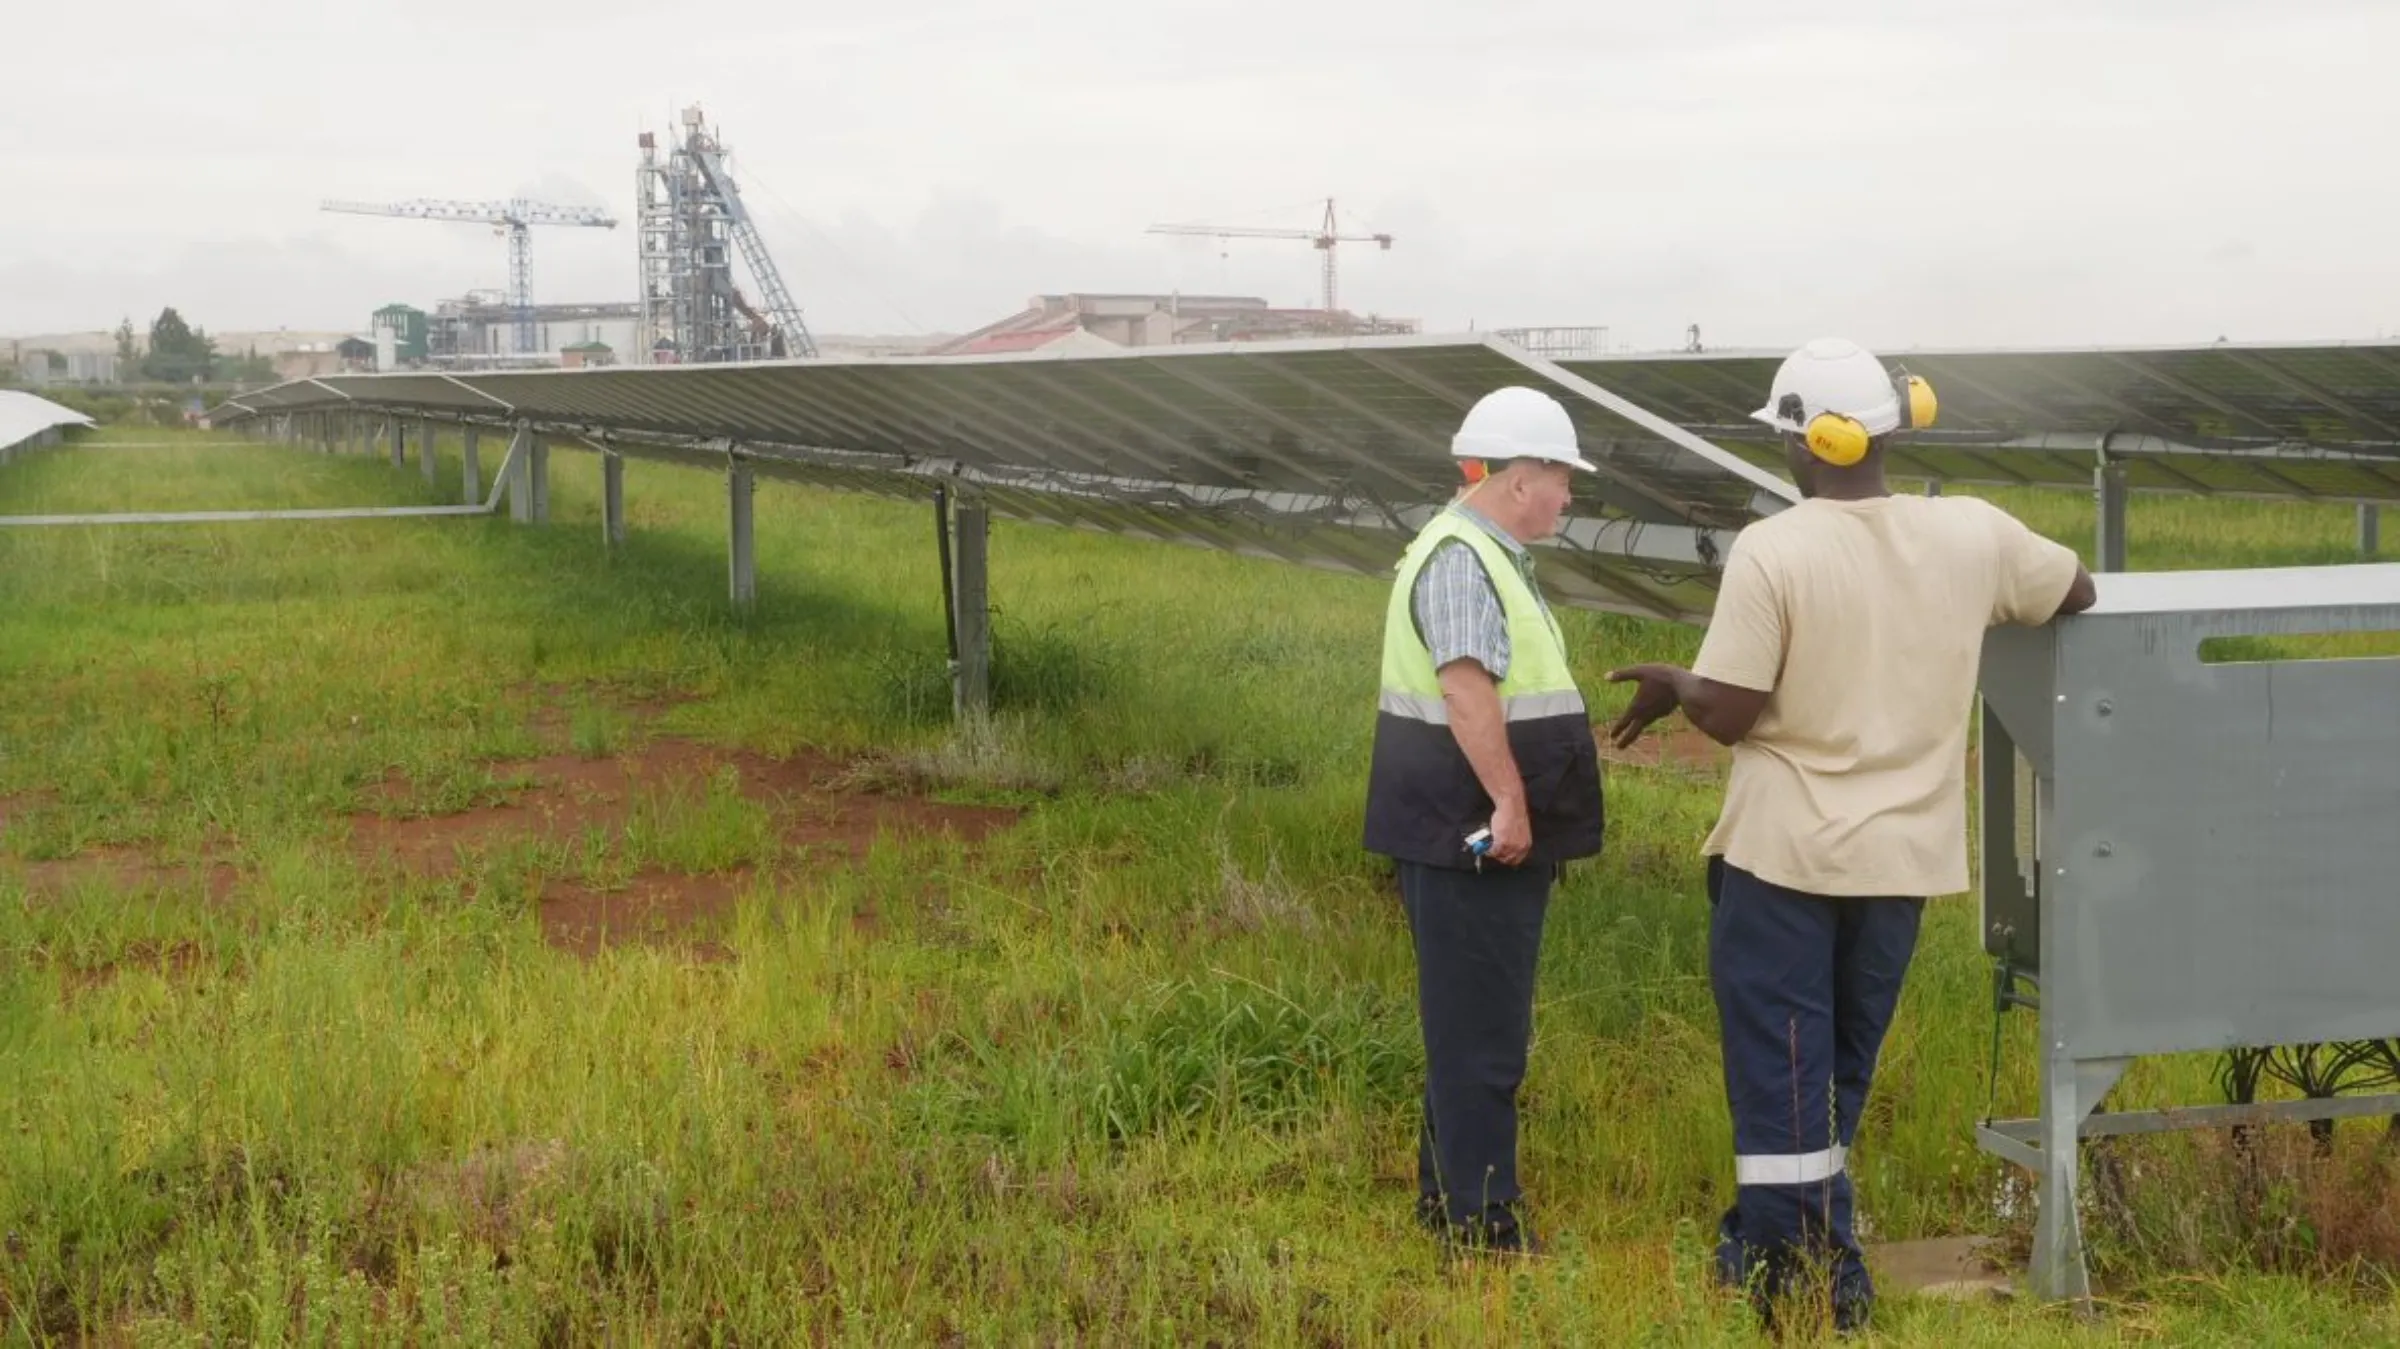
1840,665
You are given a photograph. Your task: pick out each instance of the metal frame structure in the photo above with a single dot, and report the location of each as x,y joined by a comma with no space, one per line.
2133,876
514,218
692,220
329,433
1327,237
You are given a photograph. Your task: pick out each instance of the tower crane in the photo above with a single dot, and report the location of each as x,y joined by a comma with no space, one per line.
1324,237
514,218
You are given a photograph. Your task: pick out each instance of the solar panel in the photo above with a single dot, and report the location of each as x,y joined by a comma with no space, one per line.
2317,421
24,416
1328,454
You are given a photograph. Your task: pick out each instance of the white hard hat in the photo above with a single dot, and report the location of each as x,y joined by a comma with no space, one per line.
1836,376
1518,423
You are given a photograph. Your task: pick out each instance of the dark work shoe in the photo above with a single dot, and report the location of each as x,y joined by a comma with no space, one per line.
1499,1232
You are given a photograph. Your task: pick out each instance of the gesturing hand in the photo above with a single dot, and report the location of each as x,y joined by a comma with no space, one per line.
1655,698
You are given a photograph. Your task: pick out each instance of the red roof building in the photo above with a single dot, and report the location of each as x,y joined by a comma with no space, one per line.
1155,321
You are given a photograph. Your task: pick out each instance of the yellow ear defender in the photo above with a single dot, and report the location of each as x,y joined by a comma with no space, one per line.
1842,441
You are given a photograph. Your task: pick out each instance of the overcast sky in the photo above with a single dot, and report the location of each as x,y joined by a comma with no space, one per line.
1918,173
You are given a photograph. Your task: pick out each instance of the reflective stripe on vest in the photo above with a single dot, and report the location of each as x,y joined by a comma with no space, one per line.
1522,707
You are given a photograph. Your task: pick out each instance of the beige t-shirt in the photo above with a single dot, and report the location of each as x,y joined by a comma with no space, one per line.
1864,621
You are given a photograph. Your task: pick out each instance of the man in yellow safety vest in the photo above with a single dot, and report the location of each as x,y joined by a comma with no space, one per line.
1485,779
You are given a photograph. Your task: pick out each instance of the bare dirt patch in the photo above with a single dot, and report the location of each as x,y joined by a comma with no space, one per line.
656,907
121,868
13,806
1675,746
125,871
1955,1268
819,806
177,960
555,707
565,795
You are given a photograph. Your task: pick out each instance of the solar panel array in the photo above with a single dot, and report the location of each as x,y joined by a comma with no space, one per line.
2317,421
1329,454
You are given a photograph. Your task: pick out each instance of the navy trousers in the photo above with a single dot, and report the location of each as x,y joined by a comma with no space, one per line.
1805,989
1478,938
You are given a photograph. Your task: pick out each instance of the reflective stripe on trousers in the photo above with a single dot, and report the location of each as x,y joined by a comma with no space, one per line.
1519,707
1789,1168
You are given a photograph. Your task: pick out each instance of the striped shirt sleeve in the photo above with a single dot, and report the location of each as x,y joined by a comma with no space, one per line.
1458,612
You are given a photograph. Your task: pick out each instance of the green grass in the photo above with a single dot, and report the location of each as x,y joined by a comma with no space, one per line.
1139,1070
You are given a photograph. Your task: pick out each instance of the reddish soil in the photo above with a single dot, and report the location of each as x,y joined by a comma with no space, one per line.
569,795
128,871
657,906
818,814
11,806
1672,746
554,712
176,961
814,811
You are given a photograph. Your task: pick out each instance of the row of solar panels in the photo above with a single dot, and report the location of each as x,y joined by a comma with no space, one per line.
1326,453
1374,415
1369,419
2303,421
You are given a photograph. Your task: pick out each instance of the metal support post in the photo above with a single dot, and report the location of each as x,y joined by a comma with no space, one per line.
612,500
395,435
2370,530
471,466
741,540
520,476
971,617
537,478
1933,487
2109,479
425,459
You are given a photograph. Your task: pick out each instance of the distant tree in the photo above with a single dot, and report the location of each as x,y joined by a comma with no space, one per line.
249,368
129,346
57,361
179,352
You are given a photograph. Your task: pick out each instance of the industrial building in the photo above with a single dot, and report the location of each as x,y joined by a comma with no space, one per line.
33,368
1066,322
348,356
